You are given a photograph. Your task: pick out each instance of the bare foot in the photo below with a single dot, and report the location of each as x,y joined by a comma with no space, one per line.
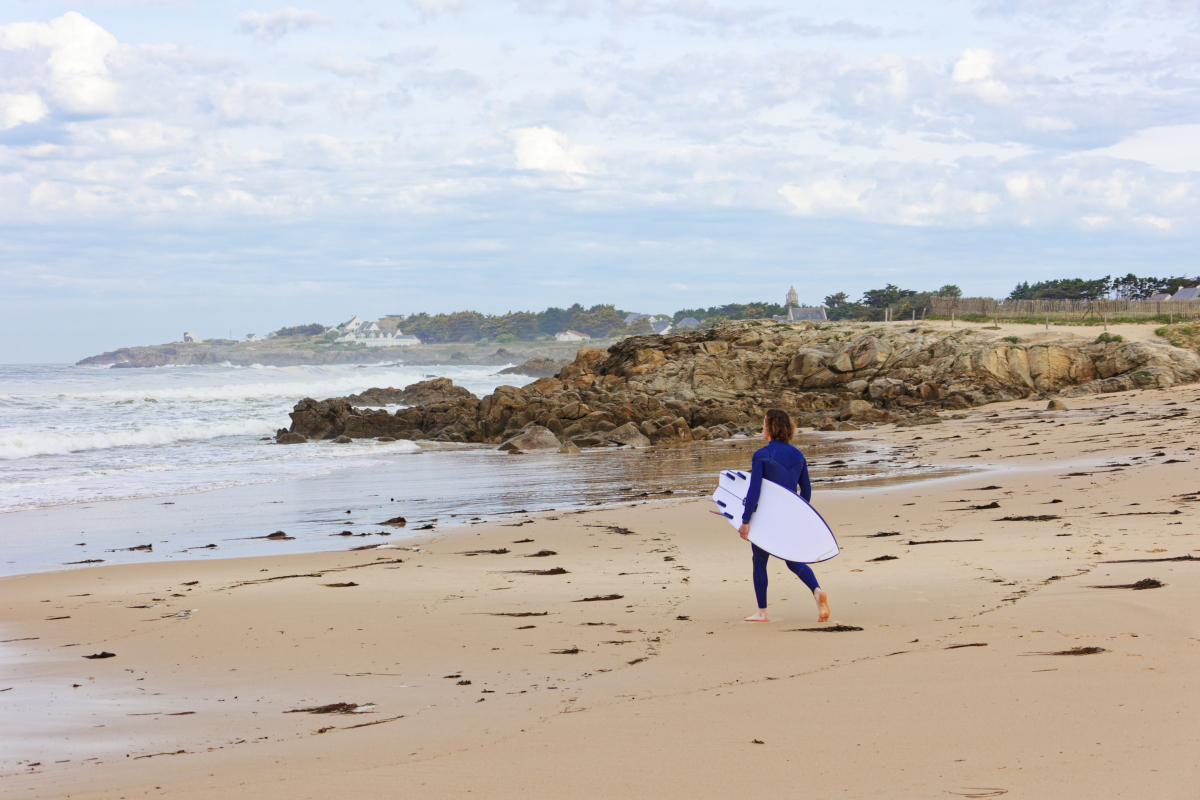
822,606
761,616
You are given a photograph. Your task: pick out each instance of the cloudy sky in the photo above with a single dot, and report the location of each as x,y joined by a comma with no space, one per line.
216,166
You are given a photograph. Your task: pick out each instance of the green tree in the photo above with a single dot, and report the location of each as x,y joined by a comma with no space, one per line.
312,329
837,300
598,320
889,295
639,327
519,325
555,320
1063,289
949,290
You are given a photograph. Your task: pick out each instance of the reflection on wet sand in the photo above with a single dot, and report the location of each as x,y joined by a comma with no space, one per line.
438,486
613,476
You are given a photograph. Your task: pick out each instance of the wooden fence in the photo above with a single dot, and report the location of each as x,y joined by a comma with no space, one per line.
1063,310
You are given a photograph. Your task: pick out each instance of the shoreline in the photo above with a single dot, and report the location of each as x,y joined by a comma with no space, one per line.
312,509
946,685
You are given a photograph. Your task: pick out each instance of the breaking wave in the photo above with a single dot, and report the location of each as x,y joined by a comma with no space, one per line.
23,444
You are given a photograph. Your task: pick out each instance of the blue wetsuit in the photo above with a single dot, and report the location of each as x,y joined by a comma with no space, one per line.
784,465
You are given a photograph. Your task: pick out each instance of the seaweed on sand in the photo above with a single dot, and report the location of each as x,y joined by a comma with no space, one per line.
1144,583
333,708
827,629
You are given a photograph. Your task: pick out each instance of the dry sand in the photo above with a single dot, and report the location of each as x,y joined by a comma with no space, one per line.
954,686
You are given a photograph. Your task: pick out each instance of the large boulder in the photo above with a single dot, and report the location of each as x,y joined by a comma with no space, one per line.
667,431
627,434
320,420
584,364
438,390
532,439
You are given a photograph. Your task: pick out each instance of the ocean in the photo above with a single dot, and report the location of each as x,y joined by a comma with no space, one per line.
83,434
96,461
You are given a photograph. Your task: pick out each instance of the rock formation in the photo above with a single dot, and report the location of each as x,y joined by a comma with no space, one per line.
532,438
537,367
694,386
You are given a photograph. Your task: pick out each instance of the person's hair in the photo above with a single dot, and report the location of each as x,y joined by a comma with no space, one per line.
779,425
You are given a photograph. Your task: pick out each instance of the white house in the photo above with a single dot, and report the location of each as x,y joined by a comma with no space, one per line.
688,322
188,336
570,336
372,335
661,326
1187,294
353,324
252,337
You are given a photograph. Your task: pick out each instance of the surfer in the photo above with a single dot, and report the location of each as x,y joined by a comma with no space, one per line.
784,465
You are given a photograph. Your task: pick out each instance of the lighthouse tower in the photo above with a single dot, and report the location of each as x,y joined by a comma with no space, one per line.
793,299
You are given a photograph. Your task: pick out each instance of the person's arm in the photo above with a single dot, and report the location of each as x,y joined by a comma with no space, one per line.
756,479
805,484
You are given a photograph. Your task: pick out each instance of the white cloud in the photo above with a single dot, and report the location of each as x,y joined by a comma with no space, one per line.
1049,124
975,68
257,102
432,8
1024,185
348,68
447,84
1171,148
274,26
1157,223
409,55
827,196
974,64
547,150
17,109
145,136
75,72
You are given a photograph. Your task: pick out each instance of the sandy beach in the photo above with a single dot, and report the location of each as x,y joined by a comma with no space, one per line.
980,644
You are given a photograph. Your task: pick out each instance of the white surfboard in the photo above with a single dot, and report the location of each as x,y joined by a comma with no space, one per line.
783,524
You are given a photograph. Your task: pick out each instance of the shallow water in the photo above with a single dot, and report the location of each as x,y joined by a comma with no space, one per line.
438,485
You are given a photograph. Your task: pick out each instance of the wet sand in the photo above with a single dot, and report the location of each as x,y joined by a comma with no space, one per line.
984,657
441,485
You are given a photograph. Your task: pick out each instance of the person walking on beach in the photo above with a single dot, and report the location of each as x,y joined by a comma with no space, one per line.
786,466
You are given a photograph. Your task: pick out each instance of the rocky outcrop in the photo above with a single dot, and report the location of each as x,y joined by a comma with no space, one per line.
537,367
439,410
438,390
694,386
